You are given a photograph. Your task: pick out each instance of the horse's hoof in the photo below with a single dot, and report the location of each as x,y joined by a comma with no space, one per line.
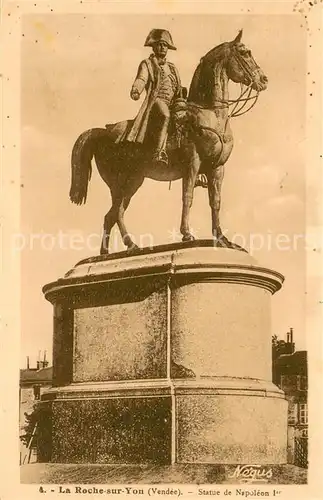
222,242
238,247
132,248
188,237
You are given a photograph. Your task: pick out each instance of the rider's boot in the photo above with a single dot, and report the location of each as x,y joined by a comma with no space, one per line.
160,155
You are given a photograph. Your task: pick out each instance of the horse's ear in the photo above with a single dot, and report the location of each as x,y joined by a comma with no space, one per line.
238,37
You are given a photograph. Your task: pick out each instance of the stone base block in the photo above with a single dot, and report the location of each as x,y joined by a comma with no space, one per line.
112,431
229,429
220,421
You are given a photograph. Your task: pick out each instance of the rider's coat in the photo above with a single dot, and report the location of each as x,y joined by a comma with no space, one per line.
157,81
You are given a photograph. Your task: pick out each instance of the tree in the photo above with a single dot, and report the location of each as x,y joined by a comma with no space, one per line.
29,427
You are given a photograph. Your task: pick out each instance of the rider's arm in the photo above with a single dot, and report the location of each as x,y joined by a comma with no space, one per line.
140,81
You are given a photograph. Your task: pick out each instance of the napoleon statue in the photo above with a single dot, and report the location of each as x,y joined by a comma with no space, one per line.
160,78
195,133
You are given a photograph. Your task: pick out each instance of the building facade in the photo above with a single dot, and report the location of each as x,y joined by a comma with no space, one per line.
290,374
33,382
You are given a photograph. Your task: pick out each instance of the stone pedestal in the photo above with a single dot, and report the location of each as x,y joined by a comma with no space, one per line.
164,356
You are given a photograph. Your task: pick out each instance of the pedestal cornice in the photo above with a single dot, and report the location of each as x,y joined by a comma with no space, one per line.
166,387
180,265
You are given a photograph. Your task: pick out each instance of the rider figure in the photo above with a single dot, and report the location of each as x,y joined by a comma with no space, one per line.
161,81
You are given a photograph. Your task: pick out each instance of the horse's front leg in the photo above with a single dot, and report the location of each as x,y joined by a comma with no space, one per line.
189,180
215,177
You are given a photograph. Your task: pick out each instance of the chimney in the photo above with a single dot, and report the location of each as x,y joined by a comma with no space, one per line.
290,346
45,362
38,361
41,364
27,362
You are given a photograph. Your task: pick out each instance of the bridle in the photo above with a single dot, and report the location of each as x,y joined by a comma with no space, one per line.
241,101
251,73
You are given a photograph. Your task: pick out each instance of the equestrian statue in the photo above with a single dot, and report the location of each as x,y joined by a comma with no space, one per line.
174,136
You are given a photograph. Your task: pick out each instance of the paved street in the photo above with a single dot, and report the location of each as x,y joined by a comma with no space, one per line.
147,474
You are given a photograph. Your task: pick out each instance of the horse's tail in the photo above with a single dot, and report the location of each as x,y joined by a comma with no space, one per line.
82,155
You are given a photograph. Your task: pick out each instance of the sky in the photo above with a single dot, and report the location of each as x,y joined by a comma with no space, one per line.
76,73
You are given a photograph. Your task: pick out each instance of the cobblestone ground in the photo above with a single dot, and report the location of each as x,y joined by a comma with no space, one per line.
147,474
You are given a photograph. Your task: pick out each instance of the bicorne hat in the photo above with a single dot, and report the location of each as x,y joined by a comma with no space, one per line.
157,35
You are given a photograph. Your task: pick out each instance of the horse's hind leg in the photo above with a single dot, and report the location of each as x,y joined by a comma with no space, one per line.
130,189
109,221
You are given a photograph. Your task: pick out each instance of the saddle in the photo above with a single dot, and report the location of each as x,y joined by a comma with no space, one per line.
118,131
178,121
177,132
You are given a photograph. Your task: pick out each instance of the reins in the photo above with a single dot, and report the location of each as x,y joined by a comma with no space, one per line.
239,112
233,102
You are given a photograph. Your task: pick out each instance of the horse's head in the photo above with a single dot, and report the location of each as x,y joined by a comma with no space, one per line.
234,59
242,68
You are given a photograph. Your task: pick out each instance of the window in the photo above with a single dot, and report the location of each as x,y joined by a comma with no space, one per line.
303,413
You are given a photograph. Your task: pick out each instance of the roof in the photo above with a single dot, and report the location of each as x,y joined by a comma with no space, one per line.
28,376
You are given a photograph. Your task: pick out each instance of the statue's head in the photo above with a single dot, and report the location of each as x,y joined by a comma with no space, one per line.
160,40
160,49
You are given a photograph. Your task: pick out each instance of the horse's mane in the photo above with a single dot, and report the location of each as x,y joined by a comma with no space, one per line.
202,85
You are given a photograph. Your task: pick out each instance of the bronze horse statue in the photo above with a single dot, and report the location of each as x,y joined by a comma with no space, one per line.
205,146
